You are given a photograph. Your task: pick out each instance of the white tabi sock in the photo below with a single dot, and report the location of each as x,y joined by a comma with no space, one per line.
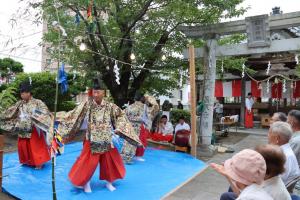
87,187
141,159
110,187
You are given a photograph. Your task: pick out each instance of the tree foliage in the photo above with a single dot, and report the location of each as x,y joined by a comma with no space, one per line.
147,28
7,98
9,65
43,88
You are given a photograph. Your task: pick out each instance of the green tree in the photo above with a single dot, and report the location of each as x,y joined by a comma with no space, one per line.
147,28
43,88
8,65
7,98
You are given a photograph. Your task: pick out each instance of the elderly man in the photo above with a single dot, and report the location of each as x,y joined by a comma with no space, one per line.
280,134
278,116
294,121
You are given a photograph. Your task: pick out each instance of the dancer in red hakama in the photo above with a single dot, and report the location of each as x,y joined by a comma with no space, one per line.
32,146
99,117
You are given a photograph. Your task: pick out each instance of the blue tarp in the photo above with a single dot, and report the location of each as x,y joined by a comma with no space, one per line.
162,172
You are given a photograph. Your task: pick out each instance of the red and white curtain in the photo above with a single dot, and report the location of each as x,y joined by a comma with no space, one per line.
233,89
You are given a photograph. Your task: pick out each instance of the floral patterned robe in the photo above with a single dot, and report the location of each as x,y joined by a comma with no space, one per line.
18,118
101,120
138,113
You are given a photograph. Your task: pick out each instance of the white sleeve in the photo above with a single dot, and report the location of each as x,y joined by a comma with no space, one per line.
169,128
248,104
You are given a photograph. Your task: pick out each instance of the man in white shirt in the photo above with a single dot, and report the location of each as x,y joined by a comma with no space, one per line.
248,111
294,121
280,134
182,125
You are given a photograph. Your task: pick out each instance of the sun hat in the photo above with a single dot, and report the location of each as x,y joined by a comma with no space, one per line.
246,167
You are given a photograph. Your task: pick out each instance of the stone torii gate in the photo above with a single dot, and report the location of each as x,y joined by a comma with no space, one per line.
258,29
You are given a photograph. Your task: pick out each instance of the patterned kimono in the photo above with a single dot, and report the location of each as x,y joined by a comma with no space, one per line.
97,147
32,144
140,116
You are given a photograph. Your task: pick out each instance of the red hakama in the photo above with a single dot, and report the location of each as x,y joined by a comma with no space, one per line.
248,119
111,166
33,151
143,138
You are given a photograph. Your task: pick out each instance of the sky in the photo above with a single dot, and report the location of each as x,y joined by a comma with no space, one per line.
29,51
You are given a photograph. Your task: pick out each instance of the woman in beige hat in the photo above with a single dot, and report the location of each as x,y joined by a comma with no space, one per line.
245,172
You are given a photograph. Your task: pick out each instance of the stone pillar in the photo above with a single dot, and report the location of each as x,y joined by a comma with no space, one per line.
209,91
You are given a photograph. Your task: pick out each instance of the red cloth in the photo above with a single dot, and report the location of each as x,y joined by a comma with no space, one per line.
162,138
182,138
33,151
296,90
111,166
143,137
248,119
218,89
254,89
277,90
236,88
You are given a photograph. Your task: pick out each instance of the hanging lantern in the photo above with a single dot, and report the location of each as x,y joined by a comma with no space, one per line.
163,58
132,56
82,47
292,85
276,80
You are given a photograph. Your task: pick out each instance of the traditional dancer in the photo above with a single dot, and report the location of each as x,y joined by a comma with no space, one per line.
32,146
101,117
140,114
248,111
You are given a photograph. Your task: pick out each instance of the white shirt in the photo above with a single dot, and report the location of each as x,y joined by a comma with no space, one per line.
249,103
166,129
183,126
295,145
291,165
276,188
254,192
219,108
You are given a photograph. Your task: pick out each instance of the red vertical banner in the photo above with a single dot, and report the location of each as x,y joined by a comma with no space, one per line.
296,89
256,92
277,90
218,89
236,88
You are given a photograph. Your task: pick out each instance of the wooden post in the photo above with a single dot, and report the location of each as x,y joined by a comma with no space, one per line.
193,100
243,103
1,159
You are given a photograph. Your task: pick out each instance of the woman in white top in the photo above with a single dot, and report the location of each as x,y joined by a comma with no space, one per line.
280,134
245,172
275,160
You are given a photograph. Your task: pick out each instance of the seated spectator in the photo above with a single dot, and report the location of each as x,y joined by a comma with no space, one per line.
273,184
245,172
275,160
164,131
294,121
182,125
278,116
280,134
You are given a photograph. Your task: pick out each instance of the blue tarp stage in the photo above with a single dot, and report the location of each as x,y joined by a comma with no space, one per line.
162,172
